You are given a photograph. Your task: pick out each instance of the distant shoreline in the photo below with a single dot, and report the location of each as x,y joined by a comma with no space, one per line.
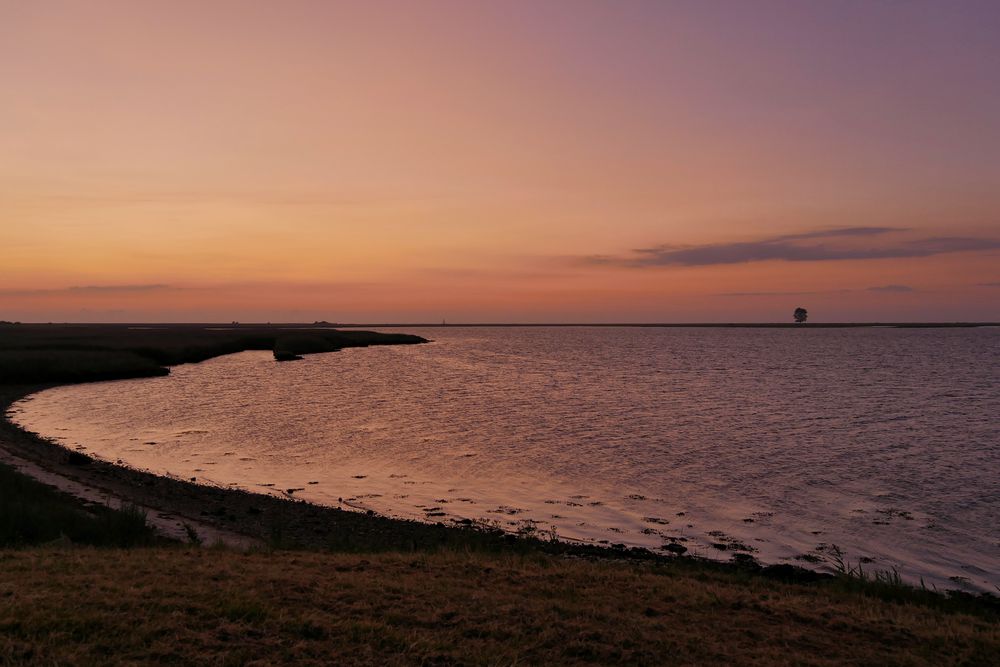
696,325
449,325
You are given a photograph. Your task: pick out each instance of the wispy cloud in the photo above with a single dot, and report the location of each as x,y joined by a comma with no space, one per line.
799,248
778,293
891,288
879,288
111,291
87,289
996,284
222,196
840,231
117,288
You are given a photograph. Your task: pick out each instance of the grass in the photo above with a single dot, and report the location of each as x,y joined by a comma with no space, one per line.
32,513
27,366
169,605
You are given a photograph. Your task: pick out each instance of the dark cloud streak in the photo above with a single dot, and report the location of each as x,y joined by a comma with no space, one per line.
87,289
809,293
117,288
840,231
891,288
789,248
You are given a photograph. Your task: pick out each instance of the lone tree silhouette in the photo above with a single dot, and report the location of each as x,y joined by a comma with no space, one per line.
801,315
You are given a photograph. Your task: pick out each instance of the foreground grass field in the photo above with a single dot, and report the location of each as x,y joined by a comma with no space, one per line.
167,605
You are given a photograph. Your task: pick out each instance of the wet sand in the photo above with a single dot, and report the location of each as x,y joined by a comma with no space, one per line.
90,493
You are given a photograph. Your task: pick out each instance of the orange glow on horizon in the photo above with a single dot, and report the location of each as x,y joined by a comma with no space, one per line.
392,162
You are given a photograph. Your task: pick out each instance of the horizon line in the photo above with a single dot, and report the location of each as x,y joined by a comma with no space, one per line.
446,325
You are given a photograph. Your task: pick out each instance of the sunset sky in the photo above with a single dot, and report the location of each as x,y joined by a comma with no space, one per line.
516,161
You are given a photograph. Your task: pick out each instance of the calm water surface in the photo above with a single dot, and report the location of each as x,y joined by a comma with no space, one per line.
777,442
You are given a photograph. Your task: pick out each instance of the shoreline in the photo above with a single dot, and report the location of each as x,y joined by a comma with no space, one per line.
166,524
686,325
250,525
56,355
247,519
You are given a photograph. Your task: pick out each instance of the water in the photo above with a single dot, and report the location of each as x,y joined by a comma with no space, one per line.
776,442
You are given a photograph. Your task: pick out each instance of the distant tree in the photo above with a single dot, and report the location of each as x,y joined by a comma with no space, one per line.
801,315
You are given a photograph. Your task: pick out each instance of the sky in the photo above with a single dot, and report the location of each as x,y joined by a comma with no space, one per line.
542,161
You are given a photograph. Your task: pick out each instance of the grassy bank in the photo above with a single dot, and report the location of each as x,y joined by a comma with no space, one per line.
218,607
40,353
33,513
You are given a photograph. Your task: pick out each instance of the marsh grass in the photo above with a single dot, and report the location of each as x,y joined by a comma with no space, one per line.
25,366
32,513
888,585
34,353
844,569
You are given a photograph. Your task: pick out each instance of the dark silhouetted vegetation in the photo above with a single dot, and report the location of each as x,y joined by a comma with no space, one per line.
801,315
39,353
26,366
32,513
